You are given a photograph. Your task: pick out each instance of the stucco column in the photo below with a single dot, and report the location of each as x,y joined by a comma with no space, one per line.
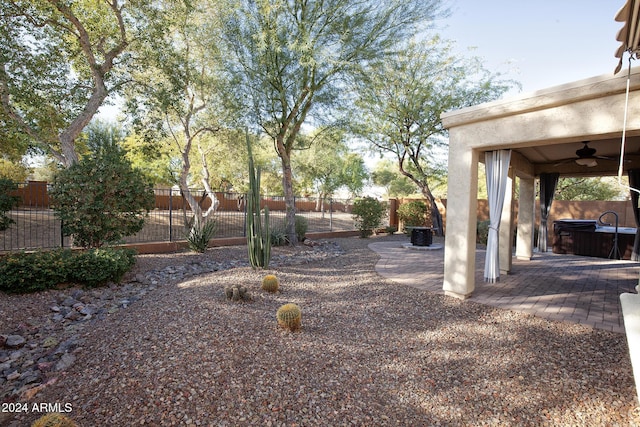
462,204
526,219
505,249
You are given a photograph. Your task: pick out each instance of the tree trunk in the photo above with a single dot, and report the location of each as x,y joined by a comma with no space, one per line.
289,199
436,217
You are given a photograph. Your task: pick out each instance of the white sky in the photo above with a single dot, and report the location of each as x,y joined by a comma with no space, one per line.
540,43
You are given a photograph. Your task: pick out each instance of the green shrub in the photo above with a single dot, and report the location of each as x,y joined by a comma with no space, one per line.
198,237
302,225
31,272
279,237
413,213
7,202
368,214
96,267
102,198
482,233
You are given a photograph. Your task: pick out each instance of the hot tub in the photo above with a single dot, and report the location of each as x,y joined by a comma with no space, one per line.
588,238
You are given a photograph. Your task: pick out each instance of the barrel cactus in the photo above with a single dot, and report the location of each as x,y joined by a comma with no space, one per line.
270,283
54,419
236,293
289,316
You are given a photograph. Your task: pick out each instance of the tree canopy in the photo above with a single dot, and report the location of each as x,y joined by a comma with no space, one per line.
402,98
295,62
59,61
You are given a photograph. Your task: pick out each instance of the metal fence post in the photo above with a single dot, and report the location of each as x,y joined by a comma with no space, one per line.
331,214
244,223
171,215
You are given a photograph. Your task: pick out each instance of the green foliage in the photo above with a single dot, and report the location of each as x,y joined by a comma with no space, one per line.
13,170
413,213
292,61
590,188
289,316
101,199
403,97
368,214
98,266
200,234
258,233
328,165
61,59
279,237
482,232
7,202
302,225
386,175
31,272
390,229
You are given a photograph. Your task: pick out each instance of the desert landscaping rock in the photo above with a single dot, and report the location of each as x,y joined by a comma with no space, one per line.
15,341
166,348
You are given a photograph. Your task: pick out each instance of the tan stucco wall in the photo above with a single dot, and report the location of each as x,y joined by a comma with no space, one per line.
588,109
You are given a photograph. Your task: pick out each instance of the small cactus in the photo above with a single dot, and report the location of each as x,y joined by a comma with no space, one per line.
289,316
270,283
54,419
236,293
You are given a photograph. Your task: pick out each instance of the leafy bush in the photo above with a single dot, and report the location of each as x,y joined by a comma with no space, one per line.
413,213
31,272
279,237
390,229
7,202
198,237
482,232
101,199
368,214
302,225
99,266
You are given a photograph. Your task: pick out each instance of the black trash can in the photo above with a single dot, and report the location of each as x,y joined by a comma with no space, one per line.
421,236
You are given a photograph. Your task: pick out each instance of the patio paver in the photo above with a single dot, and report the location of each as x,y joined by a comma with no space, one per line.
569,288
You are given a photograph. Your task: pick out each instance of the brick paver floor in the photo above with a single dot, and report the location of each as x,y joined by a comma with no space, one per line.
568,288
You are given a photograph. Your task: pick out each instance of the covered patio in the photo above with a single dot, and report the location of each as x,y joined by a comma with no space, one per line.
542,133
564,288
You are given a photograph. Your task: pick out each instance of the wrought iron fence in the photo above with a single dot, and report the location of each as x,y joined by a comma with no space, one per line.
37,227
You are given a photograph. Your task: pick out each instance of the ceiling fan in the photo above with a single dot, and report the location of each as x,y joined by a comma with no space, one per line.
586,157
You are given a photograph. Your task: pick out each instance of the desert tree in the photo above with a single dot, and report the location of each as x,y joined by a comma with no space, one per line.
400,101
178,95
59,62
327,165
295,61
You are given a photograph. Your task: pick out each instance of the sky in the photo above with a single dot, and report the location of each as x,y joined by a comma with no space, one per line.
539,43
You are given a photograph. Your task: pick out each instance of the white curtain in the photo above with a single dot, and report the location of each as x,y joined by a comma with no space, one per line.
497,171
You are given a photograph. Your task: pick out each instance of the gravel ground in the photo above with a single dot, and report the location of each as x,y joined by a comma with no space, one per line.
369,353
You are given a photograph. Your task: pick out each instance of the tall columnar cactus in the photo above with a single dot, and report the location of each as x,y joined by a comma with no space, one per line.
258,233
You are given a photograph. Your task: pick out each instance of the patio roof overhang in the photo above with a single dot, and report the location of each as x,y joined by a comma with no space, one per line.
545,128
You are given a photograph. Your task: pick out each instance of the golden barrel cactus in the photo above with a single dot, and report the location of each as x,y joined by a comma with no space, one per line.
54,419
270,283
289,316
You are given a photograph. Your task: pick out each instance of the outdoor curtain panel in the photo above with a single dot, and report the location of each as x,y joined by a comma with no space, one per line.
634,182
548,184
497,171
